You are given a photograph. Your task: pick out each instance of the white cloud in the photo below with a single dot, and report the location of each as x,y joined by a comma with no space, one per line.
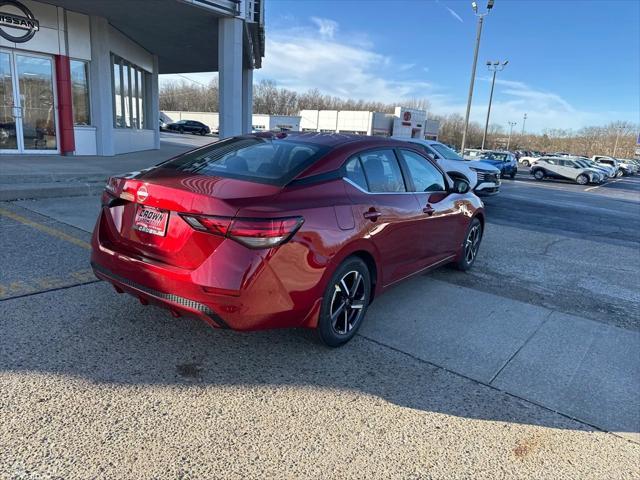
326,27
454,14
297,59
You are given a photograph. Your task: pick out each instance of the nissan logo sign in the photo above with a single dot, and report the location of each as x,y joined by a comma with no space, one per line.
9,20
407,116
142,194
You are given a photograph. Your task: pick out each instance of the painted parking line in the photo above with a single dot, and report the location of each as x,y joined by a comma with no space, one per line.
602,185
20,288
54,232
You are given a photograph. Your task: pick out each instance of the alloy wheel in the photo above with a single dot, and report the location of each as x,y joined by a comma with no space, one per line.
472,243
348,302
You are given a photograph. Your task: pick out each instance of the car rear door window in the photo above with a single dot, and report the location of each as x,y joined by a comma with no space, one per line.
355,173
425,177
382,171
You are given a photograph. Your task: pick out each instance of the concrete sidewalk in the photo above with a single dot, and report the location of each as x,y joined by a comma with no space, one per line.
48,176
580,368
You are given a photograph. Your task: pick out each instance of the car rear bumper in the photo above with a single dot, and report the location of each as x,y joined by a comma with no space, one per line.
262,298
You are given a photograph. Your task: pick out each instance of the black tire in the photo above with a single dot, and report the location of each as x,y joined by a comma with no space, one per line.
582,179
525,163
470,246
181,130
334,328
538,175
513,173
619,173
203,132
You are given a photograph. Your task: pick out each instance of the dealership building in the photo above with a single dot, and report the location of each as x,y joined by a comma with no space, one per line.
80,77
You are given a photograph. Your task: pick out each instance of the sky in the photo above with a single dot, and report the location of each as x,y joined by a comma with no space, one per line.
572,63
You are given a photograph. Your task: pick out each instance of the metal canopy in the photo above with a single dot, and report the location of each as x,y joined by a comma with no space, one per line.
183,33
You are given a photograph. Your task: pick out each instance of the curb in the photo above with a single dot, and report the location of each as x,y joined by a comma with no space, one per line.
33,191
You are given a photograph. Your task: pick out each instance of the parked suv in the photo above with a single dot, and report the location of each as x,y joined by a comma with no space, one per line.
565,169
483,178
505,161
623,167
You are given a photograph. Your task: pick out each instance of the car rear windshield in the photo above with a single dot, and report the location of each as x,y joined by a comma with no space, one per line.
257,159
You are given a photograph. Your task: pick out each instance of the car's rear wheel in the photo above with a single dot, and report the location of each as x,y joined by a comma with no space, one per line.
345,302
181,130
203,132
538,175
470,246
513,174
619,173
525,163
582,179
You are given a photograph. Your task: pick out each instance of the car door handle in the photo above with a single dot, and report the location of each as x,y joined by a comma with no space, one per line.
372,214
429,210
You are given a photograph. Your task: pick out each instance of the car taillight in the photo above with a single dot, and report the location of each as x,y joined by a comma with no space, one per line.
251,232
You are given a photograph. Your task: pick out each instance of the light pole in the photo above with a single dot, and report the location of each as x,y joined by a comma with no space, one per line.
494,67
480,16
615,146
511,125
524,119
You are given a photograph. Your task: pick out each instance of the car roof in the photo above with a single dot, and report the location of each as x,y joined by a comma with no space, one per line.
325,139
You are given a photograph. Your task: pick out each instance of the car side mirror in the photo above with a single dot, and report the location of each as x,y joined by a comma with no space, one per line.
460,186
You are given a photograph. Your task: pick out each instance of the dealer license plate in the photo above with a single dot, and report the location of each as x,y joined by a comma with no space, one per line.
151,220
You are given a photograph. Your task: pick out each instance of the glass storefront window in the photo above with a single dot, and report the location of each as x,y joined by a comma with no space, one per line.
80,92
129,94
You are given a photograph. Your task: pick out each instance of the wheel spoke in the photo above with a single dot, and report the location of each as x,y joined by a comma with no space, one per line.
344,288
335,314
357,305
356,284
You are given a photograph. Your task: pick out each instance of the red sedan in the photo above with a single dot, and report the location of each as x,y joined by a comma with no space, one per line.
283,230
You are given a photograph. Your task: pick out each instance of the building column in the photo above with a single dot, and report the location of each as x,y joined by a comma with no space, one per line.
154,102
247,100
101,90
230,77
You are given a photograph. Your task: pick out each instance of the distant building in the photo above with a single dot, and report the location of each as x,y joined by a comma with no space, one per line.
404,122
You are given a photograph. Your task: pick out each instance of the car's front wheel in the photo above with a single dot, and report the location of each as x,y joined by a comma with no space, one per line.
345,302
203,132
538,175
470,246
525,163
513,174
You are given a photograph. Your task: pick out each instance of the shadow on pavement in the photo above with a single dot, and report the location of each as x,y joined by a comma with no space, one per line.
119,341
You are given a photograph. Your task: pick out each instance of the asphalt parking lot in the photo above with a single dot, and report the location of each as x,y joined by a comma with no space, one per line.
526,365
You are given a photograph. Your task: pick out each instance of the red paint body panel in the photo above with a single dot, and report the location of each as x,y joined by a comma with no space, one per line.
65,104
228,284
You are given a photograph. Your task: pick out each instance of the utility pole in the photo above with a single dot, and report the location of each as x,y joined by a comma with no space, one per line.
615,146
511,125
494,67
524,119
480,16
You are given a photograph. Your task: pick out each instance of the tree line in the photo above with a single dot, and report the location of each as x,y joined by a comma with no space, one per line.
268,98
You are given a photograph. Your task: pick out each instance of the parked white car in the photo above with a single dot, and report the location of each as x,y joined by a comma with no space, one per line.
528,161
483,178
623,167
608,170
565,168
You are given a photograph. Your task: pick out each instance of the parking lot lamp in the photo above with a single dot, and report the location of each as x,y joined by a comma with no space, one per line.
494,67
524,119
480,16
511,125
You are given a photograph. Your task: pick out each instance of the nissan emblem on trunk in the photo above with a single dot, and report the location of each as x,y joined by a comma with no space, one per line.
14,21
142,194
